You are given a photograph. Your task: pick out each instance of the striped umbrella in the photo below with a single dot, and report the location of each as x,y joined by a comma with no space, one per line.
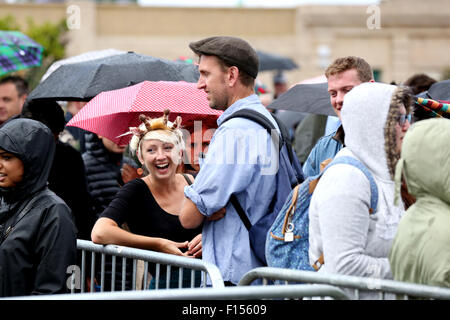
112,113
17,52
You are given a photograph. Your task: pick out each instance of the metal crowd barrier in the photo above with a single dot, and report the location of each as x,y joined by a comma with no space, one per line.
224,293
78,278
385,288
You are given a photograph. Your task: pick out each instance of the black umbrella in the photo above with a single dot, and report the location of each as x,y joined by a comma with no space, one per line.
308,98
271,61
84,80
440,90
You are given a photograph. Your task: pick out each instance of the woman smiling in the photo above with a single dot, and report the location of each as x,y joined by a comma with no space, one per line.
150,205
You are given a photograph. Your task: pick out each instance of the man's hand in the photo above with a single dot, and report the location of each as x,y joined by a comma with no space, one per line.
128,173
219,214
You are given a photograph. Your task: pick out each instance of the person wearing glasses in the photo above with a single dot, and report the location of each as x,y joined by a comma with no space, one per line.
353,239
420,252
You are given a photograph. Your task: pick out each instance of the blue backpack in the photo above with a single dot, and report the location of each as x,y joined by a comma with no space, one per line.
289,174
287,243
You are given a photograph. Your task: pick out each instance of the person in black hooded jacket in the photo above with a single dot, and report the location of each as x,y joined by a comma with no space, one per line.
37,232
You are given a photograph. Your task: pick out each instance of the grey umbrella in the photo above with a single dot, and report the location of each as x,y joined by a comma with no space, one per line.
84,80
308,98
440,90
271,61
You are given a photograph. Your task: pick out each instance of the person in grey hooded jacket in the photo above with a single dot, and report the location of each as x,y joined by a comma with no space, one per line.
37,232
355,242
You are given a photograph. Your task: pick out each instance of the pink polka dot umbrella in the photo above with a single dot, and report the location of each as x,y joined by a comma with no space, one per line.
111,113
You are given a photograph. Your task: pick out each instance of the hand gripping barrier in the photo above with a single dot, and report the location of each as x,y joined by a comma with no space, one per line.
147,256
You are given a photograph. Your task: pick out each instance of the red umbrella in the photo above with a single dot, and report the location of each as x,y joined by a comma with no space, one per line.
112,113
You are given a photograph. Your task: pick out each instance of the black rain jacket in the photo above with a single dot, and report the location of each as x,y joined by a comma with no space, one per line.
35,254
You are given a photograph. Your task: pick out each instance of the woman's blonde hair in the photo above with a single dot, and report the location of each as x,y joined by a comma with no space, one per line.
159,129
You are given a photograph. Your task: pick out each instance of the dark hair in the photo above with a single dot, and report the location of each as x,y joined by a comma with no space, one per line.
48,112
20,83
245,78
419,83
365,73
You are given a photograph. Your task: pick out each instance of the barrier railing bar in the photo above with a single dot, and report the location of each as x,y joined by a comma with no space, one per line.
158,271
192,278
113,273
251,293
133,281
83,271
168,274
370,284
209,269
145,275
180,277
92,289
124,272
102,274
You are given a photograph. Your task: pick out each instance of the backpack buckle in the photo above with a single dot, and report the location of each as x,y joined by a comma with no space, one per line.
319,263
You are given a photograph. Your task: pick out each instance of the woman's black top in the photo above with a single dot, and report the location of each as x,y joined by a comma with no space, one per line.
135,205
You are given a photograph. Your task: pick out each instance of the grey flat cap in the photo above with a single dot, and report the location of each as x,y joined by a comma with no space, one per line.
234,51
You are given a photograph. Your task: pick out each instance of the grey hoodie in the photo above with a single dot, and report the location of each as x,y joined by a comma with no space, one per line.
352,241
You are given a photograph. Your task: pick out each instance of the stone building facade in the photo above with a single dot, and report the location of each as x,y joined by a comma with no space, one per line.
397,37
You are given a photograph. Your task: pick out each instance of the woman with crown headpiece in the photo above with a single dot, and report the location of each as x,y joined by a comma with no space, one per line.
150,205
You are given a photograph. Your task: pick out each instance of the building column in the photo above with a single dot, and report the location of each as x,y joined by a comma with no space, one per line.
400,57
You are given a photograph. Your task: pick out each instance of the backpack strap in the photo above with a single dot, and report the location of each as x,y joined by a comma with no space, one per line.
373,191
257,117
266,124
373,186
186,177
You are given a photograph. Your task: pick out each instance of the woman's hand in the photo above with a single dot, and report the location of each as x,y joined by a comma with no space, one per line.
219,214
172,247
195,247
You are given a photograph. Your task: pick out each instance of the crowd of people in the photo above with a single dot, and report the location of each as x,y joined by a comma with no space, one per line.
172,193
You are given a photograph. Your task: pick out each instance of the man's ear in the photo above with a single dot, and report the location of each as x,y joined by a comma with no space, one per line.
22,99
233,75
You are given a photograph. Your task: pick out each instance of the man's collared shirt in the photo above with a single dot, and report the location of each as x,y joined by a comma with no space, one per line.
241,160
326,148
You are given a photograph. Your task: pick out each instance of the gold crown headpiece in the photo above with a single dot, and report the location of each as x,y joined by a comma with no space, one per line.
148,124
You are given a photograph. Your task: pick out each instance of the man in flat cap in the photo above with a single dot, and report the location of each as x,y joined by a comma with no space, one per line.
234,164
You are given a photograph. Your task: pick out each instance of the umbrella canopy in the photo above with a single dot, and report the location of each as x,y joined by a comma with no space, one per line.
440,90
305,97
84,80
87,56
112,113
270,61
17,52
